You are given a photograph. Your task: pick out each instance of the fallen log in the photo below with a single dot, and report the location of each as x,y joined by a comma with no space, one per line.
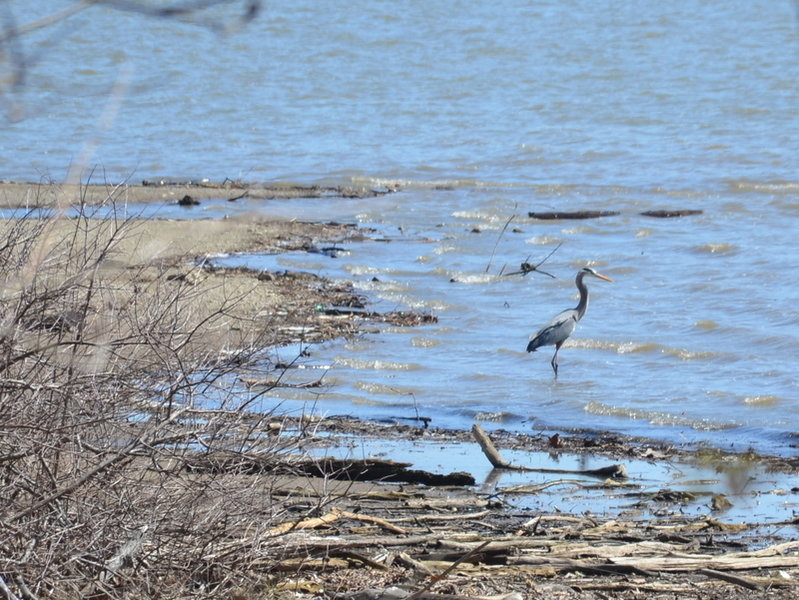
371,469
727,562
368,469
498,462
370,519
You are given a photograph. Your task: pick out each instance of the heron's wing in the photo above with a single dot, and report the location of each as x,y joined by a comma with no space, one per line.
558,329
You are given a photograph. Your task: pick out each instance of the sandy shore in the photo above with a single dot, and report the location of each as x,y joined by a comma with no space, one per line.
20,194
274,308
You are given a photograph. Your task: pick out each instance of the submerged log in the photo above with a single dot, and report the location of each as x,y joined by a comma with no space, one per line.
577,214
666,214
594,214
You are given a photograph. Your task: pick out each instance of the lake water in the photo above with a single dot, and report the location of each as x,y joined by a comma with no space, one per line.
480,113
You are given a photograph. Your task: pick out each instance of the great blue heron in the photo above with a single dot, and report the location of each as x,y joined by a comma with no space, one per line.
562,325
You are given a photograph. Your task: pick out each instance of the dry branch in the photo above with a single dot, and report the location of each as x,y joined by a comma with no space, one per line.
417,594
370,519
310,523
730,578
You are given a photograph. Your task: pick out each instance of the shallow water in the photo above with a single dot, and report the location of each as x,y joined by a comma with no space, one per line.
674,348
756,496
481,114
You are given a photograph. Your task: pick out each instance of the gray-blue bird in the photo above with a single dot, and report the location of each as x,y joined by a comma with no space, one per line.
562,325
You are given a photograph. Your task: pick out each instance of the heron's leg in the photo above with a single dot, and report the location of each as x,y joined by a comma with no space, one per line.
554,362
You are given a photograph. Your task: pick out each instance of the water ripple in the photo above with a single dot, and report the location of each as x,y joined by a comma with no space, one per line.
377,365
716,248
658,418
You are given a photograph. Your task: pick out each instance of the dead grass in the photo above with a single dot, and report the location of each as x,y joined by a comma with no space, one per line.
110,337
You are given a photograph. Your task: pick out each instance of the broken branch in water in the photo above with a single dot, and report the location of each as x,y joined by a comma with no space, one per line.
501,233
526,267
498,462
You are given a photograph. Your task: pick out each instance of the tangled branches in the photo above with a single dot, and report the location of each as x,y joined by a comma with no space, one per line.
110,381
224,17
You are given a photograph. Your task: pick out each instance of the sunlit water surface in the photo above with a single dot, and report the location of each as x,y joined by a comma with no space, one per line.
693,342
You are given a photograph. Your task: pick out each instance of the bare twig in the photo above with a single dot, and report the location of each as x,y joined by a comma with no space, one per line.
436,578
499,237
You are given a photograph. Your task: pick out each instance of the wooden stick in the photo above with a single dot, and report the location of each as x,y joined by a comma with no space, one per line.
730,578
351,555
438,517
488,448
501,233
305,523
370,519
447,571
407,561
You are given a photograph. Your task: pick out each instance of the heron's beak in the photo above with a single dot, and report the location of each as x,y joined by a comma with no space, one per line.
604,278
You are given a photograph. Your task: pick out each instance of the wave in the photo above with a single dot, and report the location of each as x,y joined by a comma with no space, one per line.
766,187
658,418
631,347
542,189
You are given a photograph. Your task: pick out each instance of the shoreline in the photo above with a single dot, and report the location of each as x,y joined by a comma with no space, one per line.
15,194
183,246
338,529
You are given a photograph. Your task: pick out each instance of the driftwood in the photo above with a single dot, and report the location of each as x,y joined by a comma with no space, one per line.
594,214
577,214
434,546
424,541
448,570
730,578
332,516
498,462
371,469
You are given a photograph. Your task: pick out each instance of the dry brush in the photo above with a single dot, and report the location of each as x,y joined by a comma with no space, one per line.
109,387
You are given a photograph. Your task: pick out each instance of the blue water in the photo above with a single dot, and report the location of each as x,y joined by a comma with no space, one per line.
625,93
479,113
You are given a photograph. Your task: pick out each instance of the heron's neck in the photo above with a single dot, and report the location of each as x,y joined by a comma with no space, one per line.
583,305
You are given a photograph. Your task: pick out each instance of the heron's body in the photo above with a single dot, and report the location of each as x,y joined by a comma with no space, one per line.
563,324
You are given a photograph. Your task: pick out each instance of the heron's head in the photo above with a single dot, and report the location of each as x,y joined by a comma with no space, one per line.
590,271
